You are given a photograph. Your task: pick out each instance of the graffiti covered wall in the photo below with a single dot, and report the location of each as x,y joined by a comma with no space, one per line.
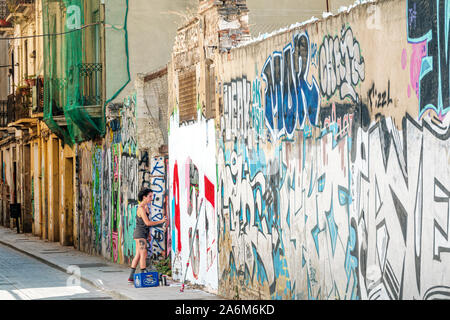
109,182
89,166
333,159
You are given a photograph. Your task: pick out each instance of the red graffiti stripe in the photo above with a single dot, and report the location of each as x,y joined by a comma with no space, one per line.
209,191
176,195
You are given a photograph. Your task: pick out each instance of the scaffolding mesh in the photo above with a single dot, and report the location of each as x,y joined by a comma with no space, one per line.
74,73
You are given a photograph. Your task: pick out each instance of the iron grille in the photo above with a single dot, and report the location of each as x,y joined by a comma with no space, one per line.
4,11
3,113
17,2
90,83
17,107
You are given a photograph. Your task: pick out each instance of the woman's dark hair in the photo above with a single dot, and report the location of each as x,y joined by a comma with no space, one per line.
143,193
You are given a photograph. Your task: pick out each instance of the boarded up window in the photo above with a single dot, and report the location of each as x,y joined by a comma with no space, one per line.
187,94
210,91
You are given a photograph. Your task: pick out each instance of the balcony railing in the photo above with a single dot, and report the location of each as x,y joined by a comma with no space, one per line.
17,7
3,113
90,83
15,3
4,10
18,107
38,96
88,94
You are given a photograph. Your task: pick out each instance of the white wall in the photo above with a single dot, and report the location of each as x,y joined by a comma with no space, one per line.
193,143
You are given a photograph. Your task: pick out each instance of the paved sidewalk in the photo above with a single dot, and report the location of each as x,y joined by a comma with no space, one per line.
103,274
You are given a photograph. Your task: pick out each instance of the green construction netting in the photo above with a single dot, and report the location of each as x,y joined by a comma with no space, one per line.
80,36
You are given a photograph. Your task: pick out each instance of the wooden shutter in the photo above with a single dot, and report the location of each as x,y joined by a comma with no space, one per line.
187,95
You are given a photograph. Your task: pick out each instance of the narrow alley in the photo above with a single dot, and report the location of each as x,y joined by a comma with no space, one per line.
36,280
246,149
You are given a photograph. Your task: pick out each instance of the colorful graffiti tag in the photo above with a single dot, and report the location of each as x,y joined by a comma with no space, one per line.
427,32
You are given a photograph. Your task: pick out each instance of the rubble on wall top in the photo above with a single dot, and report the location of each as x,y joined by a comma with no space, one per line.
325,15
354,5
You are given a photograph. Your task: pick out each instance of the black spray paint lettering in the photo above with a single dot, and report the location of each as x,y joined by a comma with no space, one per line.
237,102
379,99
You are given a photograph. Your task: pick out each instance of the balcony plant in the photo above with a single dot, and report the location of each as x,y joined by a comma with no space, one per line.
4,23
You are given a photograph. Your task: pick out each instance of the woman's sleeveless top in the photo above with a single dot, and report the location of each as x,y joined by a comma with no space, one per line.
141,230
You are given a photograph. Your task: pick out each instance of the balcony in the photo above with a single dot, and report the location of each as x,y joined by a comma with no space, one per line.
4,10
4,13
38,97
19,8
58,89
91,88
3,113
17,107
88,99
90,83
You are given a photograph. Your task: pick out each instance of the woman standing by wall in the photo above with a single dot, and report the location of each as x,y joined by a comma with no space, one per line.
141,231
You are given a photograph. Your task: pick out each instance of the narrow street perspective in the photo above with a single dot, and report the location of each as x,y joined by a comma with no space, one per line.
32,268
39,281
224,150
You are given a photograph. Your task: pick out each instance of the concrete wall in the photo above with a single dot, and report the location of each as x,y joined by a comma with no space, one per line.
192,138
330,137
192,192
107,188
152,26
151,116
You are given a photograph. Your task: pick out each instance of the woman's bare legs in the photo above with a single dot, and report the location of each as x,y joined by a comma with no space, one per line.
137,256
142,253
136,260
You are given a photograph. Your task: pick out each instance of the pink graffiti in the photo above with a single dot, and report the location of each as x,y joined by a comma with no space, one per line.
404,59
195,258
419,52
344,123
115,241
116,168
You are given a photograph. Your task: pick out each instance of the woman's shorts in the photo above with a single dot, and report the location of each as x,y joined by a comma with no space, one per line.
140,235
